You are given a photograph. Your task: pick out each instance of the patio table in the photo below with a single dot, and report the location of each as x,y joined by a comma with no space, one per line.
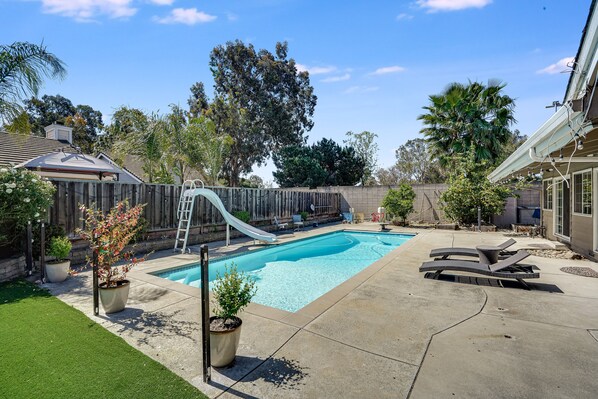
488,253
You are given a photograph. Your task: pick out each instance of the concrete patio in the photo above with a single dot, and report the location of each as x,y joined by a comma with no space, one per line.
389,332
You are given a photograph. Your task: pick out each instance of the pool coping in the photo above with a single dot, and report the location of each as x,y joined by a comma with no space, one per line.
301,317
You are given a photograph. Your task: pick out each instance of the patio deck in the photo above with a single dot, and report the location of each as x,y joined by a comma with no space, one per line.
388,332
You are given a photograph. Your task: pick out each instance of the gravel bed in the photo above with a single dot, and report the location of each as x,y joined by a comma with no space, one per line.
555,253
581,271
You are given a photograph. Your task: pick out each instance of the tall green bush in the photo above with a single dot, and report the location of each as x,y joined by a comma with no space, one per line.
469,188
399,202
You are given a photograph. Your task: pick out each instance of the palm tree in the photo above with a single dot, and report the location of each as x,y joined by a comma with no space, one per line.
466,118
22,69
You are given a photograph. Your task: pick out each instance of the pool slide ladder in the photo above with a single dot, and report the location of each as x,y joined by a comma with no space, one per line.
189,190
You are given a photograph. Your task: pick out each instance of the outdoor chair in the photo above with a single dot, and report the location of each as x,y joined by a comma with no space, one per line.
281,226
444,253
347,217
506,268
297,222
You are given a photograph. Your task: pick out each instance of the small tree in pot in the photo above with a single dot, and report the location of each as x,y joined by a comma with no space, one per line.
108,235
232,292
58,269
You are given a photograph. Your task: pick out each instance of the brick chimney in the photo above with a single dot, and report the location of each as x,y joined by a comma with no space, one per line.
59,132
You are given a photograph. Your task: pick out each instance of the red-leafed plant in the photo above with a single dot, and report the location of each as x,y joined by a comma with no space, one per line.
108,235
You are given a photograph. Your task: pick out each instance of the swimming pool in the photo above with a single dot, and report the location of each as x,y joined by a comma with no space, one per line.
289,276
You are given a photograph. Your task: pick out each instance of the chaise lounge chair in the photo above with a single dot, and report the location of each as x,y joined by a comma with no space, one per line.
281,226
444,253
506,268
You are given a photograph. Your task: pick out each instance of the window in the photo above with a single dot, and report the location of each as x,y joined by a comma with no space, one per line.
582,186
547,190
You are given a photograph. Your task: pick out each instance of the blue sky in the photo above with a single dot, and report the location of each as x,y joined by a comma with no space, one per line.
372,63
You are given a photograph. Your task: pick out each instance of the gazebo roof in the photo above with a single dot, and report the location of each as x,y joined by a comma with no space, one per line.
71,162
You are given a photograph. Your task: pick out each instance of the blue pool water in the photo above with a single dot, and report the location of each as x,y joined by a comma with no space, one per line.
289,276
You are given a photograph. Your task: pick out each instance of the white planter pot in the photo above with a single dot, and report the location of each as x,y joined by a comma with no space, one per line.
114,299
223,346
57,272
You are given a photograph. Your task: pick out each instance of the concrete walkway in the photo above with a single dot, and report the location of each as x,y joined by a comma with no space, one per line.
389,332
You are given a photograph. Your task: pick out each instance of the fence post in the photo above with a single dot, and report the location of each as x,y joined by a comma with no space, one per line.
96,294
42,252
205,313
29,249
479,219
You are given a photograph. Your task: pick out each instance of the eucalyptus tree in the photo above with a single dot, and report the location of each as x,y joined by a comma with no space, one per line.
23,67
469,116
198,100
261,101
414,163
324,163
365,146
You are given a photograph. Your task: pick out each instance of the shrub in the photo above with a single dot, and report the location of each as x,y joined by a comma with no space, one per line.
232,292
469,189
304,215
399,202
51,230
60,248
242,216
24,197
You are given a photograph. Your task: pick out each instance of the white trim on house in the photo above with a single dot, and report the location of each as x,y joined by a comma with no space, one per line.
551,188
555,182
558,130
554,134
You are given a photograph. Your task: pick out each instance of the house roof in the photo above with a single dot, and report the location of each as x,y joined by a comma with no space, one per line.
127,176
560,129
16,148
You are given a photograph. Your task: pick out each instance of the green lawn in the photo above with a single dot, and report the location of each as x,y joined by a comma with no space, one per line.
51,350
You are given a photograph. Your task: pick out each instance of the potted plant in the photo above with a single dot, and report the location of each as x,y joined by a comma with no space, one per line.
108,235
58,269
231,293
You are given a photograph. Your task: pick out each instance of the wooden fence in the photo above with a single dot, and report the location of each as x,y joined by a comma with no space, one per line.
162,203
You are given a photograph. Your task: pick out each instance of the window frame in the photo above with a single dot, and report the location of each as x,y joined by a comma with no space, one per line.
574,202
545,194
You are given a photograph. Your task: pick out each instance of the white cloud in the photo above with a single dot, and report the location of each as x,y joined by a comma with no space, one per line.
314,70
451,5
87,10
561,65
333,79
232,17
162,2
387,70
404,17
187,16
361,89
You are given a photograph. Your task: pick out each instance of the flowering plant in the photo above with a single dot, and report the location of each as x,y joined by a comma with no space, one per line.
24,196
108,235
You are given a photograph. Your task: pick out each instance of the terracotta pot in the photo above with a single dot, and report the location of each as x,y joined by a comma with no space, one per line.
114,299
223,346
57,272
